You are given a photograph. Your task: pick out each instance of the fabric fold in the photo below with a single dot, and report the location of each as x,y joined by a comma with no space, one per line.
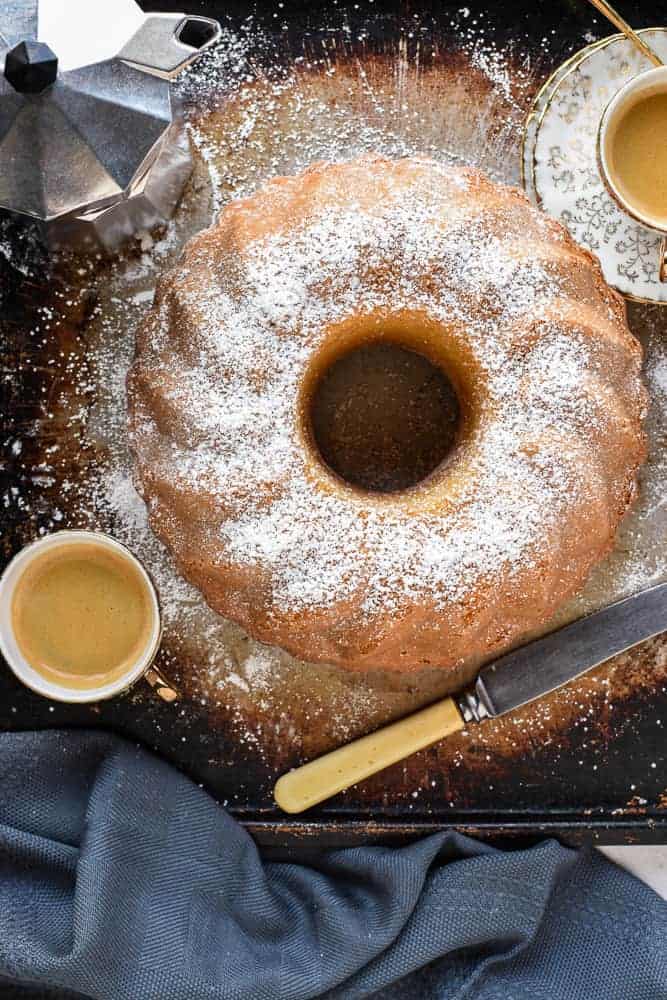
120,879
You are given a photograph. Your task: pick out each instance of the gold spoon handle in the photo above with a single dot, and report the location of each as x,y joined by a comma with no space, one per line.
622,25
320,779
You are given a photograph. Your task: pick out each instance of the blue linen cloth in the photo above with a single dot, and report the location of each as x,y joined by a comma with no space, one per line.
120,879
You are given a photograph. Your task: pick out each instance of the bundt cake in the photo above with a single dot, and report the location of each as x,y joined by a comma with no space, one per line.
448,264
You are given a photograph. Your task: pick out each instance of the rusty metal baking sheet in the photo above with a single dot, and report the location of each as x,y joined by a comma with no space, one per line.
290,84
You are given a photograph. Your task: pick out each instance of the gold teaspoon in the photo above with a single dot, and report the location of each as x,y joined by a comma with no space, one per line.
622,25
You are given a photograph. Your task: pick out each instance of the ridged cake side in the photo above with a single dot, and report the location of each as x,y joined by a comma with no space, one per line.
467,271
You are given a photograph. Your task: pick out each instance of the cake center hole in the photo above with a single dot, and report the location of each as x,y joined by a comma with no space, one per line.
384,417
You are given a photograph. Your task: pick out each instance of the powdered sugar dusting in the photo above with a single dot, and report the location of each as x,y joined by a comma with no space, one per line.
428,246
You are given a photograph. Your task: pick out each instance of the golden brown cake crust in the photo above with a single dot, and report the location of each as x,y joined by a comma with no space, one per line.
461,269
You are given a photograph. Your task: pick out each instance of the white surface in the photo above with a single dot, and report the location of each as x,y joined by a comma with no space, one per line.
647,863
80,33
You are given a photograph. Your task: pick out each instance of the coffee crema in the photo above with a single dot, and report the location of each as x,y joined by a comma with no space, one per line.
638,157
82,615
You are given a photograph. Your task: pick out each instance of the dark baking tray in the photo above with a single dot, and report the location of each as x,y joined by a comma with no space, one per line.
606,781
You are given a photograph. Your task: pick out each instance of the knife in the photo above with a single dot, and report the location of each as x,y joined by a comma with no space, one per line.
507,683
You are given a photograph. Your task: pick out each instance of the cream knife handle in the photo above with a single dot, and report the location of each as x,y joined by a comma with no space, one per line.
320,779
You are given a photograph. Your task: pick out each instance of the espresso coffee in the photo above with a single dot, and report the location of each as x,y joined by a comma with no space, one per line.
638,157
82,615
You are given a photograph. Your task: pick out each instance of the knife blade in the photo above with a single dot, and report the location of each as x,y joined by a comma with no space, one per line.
539,667
514,679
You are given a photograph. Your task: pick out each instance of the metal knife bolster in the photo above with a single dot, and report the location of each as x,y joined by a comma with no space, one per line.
471,706
542,666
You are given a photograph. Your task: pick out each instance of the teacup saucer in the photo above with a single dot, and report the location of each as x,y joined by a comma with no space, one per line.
559,165
534,116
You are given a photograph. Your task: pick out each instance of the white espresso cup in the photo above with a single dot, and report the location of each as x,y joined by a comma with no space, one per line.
142,666
653,81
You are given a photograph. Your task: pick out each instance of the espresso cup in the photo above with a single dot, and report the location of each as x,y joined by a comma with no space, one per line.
141,665
634,92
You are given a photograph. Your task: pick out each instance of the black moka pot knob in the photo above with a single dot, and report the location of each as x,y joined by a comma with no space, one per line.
31,67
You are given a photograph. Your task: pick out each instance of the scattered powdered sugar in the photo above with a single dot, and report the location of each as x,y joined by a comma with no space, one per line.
240,682
657,375
258,668
119,497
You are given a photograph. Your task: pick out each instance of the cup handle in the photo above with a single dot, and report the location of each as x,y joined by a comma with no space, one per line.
163,688
663,260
